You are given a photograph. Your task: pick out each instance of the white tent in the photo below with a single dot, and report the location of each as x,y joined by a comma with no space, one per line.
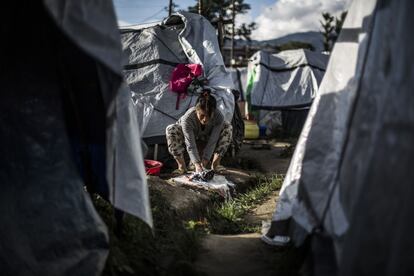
286,83
350,180
152,53
288,79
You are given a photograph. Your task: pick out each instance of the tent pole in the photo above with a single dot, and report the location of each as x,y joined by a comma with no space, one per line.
170,8
232,34
155,152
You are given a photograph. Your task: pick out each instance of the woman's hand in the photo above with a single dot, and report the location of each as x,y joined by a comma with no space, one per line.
199,167
204,163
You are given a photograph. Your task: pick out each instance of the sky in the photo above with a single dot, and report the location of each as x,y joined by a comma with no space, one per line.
274,18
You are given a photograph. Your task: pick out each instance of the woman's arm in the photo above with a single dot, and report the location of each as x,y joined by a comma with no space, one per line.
214,136
188,126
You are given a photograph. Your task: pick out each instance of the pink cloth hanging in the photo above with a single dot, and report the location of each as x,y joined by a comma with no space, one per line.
181,78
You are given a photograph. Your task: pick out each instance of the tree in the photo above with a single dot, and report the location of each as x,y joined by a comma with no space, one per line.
291,45
173,6
245,31
331,31
327,29
215,10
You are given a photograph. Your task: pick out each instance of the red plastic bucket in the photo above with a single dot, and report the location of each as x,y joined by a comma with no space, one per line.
152,167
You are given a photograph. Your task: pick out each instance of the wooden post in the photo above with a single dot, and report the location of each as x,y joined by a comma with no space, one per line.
220,27
200,7
170,8
232,34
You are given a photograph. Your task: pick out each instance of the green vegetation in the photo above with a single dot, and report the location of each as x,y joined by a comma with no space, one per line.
292,45
331,30
172,246
221,10
228,217
169,249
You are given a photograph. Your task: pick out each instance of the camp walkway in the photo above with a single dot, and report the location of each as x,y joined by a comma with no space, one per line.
242,254
246,254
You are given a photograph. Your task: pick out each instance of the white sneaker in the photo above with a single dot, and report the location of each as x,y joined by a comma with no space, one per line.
276,240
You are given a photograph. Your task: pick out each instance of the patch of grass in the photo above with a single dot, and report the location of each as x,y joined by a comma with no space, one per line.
172,246
169,249
228,217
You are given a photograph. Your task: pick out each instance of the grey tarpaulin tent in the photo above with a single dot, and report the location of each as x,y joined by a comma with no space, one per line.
285,81
350,179
239,77
66,86
97,34
152,53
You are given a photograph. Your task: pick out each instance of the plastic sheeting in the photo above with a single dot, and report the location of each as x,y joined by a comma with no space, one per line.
219,183
316,157
92,26
284,80
199,41
322,140
49,225
288,121
350,178
126,175
149,79
151,55
239,77
375,182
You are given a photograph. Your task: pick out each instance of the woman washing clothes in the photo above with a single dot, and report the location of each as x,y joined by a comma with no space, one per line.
201,131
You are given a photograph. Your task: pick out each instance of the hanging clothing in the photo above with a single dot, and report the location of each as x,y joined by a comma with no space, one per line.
181,78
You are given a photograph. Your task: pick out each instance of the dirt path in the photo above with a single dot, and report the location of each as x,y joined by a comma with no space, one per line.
246,254
234,255
268,157
263,212
243,254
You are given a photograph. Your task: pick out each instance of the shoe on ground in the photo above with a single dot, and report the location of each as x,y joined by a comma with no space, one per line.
276,240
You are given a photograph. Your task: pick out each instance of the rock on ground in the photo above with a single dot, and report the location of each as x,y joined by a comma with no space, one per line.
190,202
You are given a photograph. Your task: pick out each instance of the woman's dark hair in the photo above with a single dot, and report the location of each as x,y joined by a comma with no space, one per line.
206,103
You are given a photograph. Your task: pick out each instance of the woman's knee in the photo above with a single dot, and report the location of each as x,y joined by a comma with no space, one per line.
175,140
227,131
172,129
